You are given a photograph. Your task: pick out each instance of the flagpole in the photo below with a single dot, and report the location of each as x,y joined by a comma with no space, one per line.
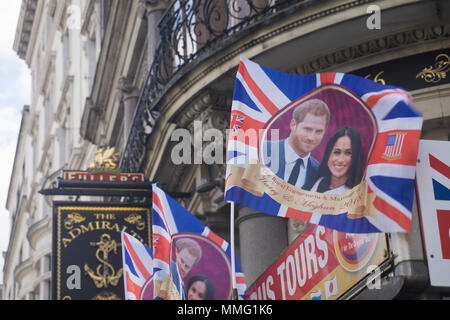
233,265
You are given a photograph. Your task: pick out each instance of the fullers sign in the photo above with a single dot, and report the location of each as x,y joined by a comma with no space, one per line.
87,260
102,176
321,264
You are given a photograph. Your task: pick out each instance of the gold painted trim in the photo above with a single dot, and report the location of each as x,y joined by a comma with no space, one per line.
436,73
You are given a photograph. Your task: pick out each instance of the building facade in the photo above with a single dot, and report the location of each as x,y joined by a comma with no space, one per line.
139,70
62,61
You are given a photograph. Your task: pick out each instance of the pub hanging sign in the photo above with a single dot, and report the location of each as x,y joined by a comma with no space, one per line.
87,251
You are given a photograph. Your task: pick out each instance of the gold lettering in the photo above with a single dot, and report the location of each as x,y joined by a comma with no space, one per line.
74,234
105,225
66,242
115,227
84,229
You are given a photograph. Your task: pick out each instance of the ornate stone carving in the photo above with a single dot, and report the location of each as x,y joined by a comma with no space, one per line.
125,85
153,5
374,46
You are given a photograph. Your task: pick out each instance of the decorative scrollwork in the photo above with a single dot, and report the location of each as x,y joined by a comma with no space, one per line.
72,219
436,73
188,28
377,78
137,220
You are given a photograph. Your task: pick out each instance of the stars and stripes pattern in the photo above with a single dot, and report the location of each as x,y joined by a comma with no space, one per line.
394,145
137,265
261,92
170,218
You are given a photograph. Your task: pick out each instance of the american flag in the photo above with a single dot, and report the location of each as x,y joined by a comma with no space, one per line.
394,145
261,92
137,266
170,218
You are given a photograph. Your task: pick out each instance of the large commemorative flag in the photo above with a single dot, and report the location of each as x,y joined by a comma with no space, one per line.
138,268
190,261
331,149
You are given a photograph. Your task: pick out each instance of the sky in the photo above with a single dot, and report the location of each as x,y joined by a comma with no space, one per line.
15,86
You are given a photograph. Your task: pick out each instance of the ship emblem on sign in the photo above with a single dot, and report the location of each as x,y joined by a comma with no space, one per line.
354,250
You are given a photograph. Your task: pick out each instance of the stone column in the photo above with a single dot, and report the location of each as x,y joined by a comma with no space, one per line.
262,239
130,96
154,10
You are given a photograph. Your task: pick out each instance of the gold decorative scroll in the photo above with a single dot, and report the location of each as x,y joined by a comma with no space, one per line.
377,78
436,73
258,179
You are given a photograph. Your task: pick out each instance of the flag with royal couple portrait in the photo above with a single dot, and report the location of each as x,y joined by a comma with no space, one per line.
331,149
190,261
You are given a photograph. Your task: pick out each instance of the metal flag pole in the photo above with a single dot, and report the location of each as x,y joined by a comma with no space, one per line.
233,265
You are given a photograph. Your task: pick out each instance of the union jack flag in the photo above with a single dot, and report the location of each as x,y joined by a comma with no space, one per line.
236,122
137,266
170,218
261,93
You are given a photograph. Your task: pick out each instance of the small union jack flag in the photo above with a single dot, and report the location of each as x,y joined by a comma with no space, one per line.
236,122
137,266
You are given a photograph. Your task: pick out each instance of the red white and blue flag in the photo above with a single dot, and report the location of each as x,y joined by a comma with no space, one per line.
433,195
170,218
137,266
390,132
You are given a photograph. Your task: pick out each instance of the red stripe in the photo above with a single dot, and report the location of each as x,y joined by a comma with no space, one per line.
161,248
373,99
136,259
214,237
248,123
226,181
259,94
327,77
240,280
298,214
439,166
157,202
409,151
393,213
133,287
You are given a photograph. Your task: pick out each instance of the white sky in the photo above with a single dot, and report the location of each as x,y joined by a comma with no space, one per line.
14,94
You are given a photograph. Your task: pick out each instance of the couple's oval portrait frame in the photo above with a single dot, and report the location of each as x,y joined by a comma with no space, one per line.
346,109
214,264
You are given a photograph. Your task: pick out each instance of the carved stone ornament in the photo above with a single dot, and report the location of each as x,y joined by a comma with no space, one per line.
154,5
374,46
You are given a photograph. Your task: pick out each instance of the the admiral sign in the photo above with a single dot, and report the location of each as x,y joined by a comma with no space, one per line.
321,264
87,258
